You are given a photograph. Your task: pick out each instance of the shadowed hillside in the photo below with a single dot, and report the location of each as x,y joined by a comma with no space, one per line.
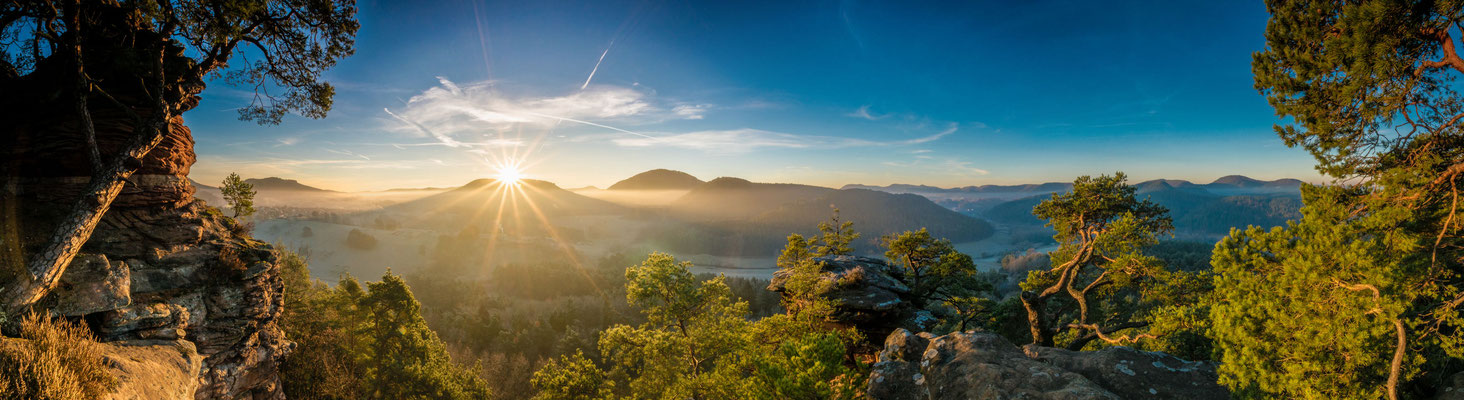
658,179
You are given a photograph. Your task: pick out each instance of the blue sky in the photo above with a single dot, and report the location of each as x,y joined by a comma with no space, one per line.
825,92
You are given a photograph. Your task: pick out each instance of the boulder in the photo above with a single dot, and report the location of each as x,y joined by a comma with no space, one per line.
868,294
163,321
979,365
166,370
1453,388
1137,374
90,284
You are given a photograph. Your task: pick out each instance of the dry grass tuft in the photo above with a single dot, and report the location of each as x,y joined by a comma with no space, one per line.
57,360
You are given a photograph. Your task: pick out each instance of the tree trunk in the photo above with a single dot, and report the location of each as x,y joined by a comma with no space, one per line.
1034,304
1396,367
46,266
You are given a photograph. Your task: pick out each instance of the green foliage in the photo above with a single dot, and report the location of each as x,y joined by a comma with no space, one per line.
1101,282
835,237
239,195
365,343
698,343
290,44
572,377
937,273
56,360
1296,314
1374,271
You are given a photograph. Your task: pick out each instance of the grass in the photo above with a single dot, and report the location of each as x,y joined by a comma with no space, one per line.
57,360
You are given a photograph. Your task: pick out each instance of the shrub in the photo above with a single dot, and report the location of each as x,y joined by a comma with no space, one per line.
360,240
58,360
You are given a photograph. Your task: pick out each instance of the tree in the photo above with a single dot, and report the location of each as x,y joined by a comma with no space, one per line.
937,273
1368,88
698,343
835,237
239,195
145,62
1102,230
366,343
572,377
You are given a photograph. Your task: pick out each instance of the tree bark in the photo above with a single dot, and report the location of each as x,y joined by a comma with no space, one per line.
1396,368
1041,336
45,267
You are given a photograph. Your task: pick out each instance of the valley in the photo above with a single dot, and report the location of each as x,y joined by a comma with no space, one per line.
723,226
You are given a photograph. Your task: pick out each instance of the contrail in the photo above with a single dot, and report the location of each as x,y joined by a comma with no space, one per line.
446,141
597,65
590,123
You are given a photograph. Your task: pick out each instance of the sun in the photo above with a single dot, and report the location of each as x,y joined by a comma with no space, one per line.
510,175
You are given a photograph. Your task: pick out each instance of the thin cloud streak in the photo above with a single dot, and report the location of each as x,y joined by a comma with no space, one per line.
597,65
747,140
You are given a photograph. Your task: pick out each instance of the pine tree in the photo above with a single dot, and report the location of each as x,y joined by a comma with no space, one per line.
239,195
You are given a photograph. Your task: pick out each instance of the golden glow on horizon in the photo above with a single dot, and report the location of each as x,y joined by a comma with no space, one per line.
510,175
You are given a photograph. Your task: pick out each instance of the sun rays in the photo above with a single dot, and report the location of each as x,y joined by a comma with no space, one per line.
509,175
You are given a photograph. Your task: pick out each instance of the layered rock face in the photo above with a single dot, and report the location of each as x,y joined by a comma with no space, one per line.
868,294
978,365
161,265
162,268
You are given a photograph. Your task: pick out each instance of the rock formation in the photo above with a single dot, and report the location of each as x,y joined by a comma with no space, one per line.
161,265
868,293
978,365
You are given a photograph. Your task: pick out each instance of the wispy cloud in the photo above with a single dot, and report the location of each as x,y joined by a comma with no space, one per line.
691,111
746,140
460,115
863,112
349,153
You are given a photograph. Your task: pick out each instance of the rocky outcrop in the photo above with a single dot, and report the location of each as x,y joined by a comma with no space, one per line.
868,294
161,265
164,370
978,365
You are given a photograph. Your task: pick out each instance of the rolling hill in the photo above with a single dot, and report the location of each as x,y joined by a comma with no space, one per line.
733,216
272,184
658,179
484,198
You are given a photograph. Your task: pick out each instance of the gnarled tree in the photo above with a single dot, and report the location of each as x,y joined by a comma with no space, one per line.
126,71
1370,90
1102,229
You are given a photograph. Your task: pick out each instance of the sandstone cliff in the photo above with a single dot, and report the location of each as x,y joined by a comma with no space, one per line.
161,265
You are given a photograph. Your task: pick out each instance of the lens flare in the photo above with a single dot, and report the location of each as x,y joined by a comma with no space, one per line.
510,175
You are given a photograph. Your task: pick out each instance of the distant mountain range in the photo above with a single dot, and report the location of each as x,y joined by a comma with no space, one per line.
734,216
1226,182
1200,211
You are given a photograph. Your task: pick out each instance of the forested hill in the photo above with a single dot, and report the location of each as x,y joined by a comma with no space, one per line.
488,202
1200,211
281,184
658,179
733,216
